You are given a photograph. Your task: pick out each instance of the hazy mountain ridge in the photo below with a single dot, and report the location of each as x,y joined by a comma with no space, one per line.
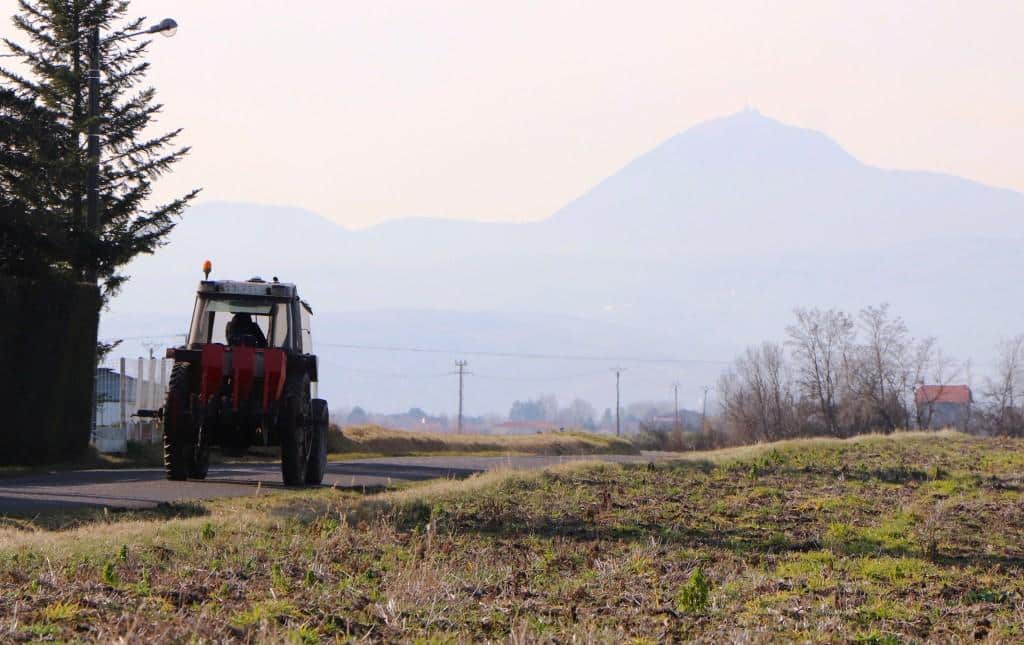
695,249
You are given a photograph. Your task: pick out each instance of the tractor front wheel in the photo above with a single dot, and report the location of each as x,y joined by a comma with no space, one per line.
178,425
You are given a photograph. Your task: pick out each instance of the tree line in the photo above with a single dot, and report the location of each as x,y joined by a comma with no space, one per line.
841,374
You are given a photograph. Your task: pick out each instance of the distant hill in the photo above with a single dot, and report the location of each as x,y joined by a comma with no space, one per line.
693,250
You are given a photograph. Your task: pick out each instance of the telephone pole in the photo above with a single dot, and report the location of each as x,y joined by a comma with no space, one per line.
462,371
704,410
150,346
675,410
618,375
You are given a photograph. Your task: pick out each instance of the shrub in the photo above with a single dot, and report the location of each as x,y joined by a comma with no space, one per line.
694,595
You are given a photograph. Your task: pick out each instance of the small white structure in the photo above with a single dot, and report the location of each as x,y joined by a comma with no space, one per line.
137,385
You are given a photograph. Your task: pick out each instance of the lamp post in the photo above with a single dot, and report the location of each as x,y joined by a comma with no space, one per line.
168,27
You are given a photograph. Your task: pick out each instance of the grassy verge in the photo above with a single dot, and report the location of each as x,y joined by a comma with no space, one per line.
876,540
378,441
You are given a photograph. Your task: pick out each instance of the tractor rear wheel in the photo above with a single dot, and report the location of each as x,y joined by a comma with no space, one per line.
295,430
178,425
317,464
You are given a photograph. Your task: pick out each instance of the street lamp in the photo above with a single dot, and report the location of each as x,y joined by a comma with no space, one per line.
167,27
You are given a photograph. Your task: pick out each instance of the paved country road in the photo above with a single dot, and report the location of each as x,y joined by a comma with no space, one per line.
147,487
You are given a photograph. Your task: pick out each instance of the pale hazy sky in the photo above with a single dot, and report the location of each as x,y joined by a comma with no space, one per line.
485,110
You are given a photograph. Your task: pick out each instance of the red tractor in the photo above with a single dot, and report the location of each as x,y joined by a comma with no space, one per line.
246,376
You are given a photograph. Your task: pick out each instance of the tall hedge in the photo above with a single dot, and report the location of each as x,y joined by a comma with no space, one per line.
47,368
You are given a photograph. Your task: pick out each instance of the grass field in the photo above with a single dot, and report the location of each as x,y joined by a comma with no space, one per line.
877,540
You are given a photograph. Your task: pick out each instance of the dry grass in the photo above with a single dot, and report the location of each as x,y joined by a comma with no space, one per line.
376,440
905,538
723,455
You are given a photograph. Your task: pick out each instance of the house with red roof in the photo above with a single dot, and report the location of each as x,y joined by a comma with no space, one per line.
943,406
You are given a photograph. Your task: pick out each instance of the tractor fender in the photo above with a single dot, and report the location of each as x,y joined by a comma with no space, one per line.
275,370
212,369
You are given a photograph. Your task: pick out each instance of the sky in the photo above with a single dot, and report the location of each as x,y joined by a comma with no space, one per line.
369,111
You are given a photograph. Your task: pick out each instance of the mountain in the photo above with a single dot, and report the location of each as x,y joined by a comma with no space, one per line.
693,250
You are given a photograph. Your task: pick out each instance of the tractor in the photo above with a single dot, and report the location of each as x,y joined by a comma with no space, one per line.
246,376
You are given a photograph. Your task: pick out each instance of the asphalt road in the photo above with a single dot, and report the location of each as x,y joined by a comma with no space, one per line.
147,487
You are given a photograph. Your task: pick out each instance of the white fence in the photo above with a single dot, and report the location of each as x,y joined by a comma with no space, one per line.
121,391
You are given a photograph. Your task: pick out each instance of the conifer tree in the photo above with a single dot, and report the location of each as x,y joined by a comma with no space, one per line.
43,126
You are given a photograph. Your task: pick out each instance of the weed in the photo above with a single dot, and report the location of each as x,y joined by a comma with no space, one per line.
264,612
875,637
207,532
62,611
144,588
110,575
304,636
986,595
278,581
694,595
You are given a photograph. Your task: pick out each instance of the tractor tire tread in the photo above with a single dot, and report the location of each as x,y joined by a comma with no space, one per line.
177,436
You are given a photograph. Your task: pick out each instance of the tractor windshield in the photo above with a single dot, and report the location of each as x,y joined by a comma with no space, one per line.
240,321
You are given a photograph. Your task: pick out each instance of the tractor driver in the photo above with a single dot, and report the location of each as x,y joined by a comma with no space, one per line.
241,330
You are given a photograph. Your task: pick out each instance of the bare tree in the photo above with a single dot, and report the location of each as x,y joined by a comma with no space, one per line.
733,400
757,396
579,414
820,341
550,404
880,372
1004,391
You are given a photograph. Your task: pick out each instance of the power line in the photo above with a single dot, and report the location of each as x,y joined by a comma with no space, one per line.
561,377
386,375
526,355
150,336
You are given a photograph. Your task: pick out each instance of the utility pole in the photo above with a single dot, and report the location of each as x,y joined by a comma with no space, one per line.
92,177
618,375
93,225
150,346
92,193
675,410
462,371
704,410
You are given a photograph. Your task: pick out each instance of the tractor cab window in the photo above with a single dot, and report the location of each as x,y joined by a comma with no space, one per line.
240,322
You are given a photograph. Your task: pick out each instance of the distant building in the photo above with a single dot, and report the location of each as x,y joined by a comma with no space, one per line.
944,406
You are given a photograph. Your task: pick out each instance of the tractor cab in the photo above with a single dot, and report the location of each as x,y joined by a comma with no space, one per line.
253,313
